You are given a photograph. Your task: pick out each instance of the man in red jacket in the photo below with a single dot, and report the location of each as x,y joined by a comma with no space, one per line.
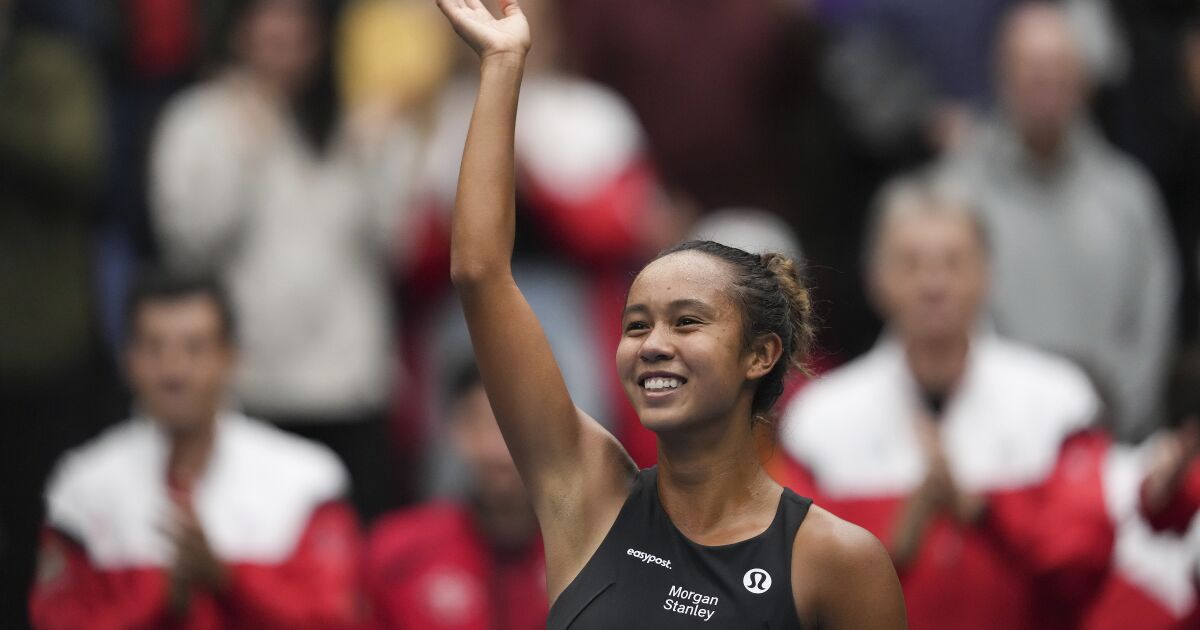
971,457
190,515
475,564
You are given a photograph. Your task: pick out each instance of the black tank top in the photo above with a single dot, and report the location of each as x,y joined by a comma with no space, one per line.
648,575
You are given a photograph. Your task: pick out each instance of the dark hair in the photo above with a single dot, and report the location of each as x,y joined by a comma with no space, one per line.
158,285
773,299
1183,388
317,108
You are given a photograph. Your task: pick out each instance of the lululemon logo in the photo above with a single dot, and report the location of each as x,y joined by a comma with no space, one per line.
757,581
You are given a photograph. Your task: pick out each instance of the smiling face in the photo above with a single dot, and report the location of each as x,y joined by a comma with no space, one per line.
682,358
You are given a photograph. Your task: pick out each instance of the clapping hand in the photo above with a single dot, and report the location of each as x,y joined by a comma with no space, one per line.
195,565
490,37
939,489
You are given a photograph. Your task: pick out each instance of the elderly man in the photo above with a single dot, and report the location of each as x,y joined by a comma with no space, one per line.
968,455
1083,263
190,515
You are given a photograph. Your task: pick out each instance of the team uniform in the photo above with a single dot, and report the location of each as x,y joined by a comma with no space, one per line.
270,505
1180,512
1152,585
1014,431
646,574
431,568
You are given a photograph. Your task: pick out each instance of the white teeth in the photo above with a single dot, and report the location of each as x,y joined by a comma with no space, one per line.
659,384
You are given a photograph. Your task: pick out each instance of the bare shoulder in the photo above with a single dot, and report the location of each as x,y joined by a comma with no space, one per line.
826,541
842,576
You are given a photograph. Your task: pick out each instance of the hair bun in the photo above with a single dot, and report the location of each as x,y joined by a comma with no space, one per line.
787,272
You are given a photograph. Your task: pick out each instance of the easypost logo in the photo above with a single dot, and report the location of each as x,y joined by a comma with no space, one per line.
648,558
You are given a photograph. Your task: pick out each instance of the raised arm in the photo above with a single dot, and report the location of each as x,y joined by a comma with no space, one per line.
577,474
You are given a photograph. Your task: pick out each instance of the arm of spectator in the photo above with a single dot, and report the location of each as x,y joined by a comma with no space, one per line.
385,150
1059,529
317,587
202,170
1149,322
1170,494
70,593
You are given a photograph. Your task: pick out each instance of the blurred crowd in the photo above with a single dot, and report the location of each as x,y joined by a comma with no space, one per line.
237,390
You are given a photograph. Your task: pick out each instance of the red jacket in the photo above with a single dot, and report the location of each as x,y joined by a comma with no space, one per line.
430,568
269,504
1013,433
313,588
1152,583
1178,513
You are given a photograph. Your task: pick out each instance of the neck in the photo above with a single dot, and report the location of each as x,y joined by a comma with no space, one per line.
269,90
190,451
938,365
711,482
1044,145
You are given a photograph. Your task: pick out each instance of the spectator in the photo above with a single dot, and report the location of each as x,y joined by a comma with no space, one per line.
1083,261
1153,582
190,514
1170,496
914,72
967,454
257,178
57,384
472,564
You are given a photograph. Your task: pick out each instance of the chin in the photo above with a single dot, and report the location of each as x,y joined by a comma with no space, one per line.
178,422
662,420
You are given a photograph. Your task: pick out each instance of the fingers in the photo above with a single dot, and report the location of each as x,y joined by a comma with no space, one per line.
509,7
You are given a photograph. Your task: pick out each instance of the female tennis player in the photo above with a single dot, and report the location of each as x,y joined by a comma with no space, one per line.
705,539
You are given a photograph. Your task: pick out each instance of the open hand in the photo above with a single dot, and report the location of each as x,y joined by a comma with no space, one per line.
489,36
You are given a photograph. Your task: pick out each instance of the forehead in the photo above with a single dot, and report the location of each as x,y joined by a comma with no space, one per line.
190,315
932,230
1038,31
686,275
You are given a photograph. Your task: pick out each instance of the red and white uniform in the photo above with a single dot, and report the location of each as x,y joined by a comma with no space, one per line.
430,568
1015,432
270,505
1152,583
1179,514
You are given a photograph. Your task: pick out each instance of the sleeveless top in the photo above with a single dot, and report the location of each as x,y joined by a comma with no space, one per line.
646,574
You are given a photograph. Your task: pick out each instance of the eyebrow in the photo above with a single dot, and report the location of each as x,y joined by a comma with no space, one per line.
675,305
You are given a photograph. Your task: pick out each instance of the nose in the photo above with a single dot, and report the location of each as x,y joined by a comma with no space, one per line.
656,346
